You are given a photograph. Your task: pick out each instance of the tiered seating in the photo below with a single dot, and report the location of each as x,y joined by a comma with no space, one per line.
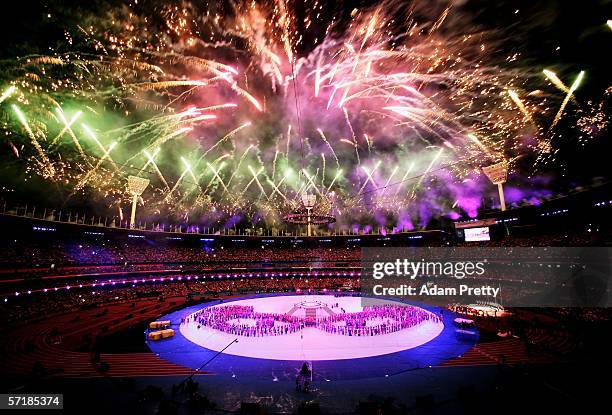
559,342
509,351
52,345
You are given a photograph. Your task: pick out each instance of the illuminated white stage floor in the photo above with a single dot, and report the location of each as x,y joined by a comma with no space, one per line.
311,343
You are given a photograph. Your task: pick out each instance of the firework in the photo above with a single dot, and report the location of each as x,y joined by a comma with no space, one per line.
570,92
48,169
9,91
514,96
226,136
86,178
375,94
552,77
426,172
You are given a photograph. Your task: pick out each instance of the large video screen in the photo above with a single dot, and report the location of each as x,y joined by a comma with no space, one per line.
477,234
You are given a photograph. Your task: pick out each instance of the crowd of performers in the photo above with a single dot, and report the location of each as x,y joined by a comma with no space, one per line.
229,319
376,320
371,321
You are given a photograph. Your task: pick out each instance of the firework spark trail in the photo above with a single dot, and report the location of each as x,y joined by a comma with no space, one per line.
218,107
554,79
234,86
87,176
255,179
157,121
408,170
276,189
15,150
338,174
317,82
151,160
225,137
420,181
312,183
274,164
210,182
204,117
9,91
23,120
331,97
475,139
347,141
368,142
203,173
168,137
196,181
514,96
303,188
369,178
279,184
348,122
329,146
221,157
217,176
49,170
165,128
285,23
215,67
181,177
171,84
572,89
67,128
208,108
384,189
440,20
323,171
93,136
237,169
288,141
188,169
422,118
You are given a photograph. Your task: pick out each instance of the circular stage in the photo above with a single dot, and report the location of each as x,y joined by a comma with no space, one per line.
342,337
311,342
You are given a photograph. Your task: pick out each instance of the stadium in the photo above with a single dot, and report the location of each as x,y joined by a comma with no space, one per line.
372,207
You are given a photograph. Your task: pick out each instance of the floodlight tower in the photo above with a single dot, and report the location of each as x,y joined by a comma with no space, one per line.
498,173
136,186
308,212
309,201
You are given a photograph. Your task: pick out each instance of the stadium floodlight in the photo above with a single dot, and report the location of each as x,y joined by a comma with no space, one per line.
309,201
309,212
497,174
136,186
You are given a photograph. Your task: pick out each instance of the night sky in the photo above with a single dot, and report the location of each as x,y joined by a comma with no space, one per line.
560,35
